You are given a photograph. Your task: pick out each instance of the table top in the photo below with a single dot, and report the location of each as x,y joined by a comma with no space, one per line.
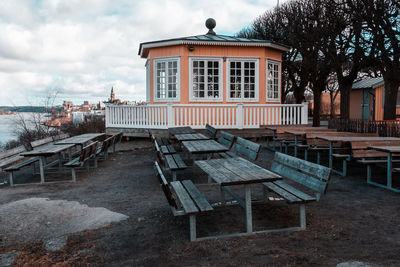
303,133
204,146
355,138
389,149
191,137
293,127
47,150
181,130
235,171
80,139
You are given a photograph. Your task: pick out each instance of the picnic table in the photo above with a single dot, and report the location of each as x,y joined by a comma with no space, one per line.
181,130
334,139
204,147
47,151
302,134
390,150
237,171
191,137
80,140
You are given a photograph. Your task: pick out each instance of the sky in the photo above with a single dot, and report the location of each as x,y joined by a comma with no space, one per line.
78,49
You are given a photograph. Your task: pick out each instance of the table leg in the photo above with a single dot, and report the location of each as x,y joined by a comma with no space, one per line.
223,202
389,170
59,161
41,167
249,217
295,145
70,154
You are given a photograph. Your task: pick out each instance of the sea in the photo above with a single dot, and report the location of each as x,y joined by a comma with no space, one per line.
8,125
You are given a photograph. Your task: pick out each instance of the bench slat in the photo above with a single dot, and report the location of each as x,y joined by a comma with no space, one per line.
298,177
22,164
305,166
305,197
11,160
247,148
187,203
171,162
283,193
179,162
12,152
226,139
196,195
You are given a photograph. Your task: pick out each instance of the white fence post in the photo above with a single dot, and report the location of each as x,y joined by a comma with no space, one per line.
170,115
304,113
239,115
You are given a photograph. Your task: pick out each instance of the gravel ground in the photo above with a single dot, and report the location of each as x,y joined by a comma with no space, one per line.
353,223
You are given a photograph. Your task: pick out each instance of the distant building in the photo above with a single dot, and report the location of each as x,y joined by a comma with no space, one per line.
112,99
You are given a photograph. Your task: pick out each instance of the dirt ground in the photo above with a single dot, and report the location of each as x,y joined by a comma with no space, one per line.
352,222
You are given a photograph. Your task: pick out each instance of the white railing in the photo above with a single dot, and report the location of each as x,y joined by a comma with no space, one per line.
198,115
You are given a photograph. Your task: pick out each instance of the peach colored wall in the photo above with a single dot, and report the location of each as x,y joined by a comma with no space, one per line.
212,51
355,104
326,104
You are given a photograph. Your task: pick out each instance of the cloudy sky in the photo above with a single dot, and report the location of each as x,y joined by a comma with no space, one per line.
78,49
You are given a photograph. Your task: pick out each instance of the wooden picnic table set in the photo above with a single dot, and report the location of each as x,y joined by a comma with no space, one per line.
54,154
235,169
364,148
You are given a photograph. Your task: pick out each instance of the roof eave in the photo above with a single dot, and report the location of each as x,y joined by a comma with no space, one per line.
146,46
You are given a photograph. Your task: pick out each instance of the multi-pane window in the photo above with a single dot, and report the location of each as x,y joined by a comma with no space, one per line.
206,78
242,80
273,80
166,79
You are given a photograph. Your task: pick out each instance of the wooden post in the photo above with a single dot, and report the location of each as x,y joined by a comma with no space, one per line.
192,222
304,113
249,217
170,115
239,116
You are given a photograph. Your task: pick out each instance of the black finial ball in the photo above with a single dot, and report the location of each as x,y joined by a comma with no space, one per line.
210,23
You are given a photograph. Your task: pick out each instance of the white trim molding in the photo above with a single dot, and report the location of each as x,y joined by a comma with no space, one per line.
192,98
178,87
278,64
242,75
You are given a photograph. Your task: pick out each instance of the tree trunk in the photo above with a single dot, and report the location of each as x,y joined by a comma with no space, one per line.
391,89
345,90
299,95
332,107
317,107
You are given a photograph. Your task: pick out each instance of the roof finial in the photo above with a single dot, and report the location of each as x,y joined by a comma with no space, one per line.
210,24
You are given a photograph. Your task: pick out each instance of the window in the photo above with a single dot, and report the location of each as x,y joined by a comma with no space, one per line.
242,79
166,79
205,79
273,80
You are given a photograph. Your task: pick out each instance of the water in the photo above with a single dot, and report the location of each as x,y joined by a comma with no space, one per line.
7,126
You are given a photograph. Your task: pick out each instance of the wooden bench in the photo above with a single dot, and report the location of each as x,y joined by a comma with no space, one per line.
117,138
227,140
11,156
88,152
172,162
210,131
184,199
307,174
60,137
103,149
16,167
164,144
246,148
41,142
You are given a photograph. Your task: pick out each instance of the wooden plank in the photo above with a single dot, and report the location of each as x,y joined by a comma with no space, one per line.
218,177
247,164
41,142
12,152
227,172
22,164
364,153
247,148
226,139
182,195
316,170
179,162
305,197
11,160
283,193
196,195
171,162
298,177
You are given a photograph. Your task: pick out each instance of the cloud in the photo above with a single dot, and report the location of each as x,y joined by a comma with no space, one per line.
82,48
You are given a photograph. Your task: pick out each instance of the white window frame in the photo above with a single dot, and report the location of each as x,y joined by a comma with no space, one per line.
178,79
273,61
220,79
147,65
228,79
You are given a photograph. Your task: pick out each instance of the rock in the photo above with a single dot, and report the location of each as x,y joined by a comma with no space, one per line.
141,219
7,259
56,243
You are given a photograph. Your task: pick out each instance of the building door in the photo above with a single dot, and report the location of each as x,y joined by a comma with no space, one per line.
365,105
